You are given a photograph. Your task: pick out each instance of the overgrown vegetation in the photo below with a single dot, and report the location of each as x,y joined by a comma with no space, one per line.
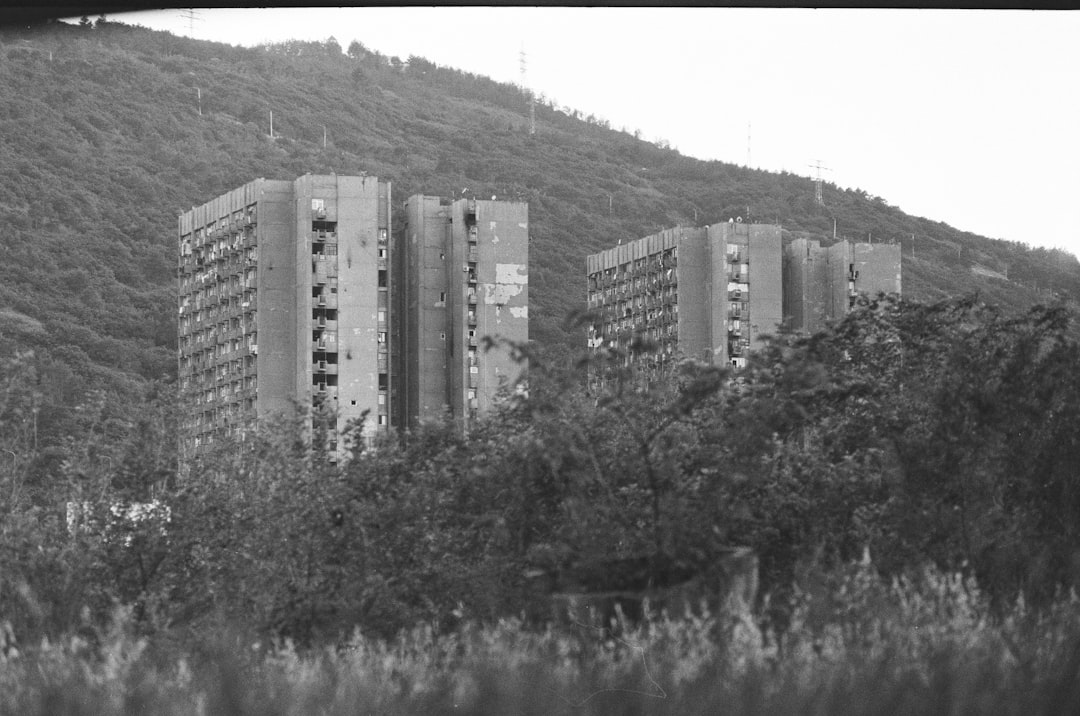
928,644
941,439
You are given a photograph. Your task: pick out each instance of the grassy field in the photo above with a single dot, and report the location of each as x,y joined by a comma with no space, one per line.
924,645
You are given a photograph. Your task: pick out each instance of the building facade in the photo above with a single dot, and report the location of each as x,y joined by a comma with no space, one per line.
821,284
284,301
707,293
462,283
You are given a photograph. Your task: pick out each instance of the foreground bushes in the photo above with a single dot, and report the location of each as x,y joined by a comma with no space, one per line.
856,643
945,434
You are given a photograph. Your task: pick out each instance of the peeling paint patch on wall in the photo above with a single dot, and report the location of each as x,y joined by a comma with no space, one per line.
511,273
519,311
498,293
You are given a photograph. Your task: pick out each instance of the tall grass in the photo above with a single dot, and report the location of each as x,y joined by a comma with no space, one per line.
854,644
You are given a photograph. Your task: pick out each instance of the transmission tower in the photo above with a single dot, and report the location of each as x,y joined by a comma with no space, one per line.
192,16
817,181
528,92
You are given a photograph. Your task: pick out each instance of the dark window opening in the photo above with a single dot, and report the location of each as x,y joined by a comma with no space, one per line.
382,278
384,381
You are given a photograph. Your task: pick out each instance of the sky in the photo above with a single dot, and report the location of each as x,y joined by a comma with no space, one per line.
963,116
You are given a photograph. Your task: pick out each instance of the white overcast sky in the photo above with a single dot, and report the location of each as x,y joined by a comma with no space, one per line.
963,116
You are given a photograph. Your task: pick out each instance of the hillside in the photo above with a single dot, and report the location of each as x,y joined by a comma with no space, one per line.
108,132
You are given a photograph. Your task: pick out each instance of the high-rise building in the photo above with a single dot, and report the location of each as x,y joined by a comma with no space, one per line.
462,289
822,283
284,301
706,293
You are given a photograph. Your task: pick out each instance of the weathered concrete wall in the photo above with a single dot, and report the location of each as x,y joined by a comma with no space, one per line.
839,265
423,283
716,300
805,285
488,297
694,287
277,311
878,267
502,308
766,284
863,268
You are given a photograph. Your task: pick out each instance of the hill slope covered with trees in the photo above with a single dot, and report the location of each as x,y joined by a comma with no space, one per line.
109,131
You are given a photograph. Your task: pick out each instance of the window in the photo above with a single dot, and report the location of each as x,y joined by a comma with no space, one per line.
382,399
384,381
382,336
382,278
318,204
382,253
382,420
442,296
382,315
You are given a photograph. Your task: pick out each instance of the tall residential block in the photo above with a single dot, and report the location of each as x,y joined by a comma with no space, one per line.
706,293
822,283
284,302
463,292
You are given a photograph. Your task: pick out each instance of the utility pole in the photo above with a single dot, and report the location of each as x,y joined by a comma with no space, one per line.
324,136
271,124
198,92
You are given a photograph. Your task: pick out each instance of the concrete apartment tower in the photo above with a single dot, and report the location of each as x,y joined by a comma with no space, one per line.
705,293
462,275
822,284
284,301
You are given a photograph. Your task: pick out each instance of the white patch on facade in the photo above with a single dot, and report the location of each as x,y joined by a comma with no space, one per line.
519,311
511,273
495,293
524,226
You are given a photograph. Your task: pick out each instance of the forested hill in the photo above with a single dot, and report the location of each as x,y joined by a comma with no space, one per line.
102,144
